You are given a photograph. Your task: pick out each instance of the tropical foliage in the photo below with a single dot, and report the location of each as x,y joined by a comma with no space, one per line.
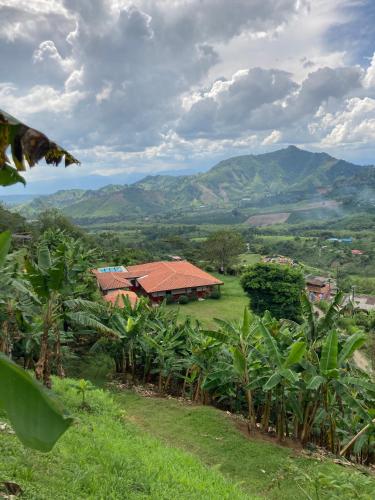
275,288
27,145
291,379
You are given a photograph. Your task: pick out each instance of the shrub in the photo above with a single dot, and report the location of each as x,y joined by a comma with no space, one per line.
184,299
215,294
170,299
193,297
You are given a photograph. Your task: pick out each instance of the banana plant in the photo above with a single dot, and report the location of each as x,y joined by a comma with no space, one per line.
168,343
46,276
316,327
14,295
284,378
329,388
27,146
36,419
128,322
239,338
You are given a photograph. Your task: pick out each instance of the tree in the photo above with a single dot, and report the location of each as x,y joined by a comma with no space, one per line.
274,288
223,247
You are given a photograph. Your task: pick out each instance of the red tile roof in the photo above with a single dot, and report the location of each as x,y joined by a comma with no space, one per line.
357,252
163,276
112,281
118,295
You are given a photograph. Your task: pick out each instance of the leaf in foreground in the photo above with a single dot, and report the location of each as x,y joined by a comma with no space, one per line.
28,146
35,417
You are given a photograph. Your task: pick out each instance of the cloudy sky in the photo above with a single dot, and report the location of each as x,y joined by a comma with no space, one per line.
149,86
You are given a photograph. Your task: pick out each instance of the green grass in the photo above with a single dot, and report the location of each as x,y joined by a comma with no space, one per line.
105,456
129,446
259,467
249,259
230,306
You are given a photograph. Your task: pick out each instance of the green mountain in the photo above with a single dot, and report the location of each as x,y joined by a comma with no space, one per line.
282,177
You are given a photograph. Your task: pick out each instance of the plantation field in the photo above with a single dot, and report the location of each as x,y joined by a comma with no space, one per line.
128,446
230,305
268,219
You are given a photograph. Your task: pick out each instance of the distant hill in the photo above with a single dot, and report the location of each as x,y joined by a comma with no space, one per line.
16,199
282,177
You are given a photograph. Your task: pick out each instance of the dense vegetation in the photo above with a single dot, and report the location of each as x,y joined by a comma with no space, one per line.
285,367
294,379
276,289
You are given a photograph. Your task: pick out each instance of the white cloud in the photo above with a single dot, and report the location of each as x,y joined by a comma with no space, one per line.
354,124
133,83
48,53
369,78
104,93
275,136
39,99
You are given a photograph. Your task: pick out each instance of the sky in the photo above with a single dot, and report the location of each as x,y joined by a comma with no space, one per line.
174,86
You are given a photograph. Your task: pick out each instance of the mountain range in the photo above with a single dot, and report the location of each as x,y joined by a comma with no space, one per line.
279,178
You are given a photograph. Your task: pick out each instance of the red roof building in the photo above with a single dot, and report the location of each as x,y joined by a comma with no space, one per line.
160,280
108,281
357,252
118,297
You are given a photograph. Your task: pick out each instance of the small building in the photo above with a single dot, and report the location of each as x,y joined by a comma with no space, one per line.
357,252
318,287
111,279
175,257
159,280
118,297
341,240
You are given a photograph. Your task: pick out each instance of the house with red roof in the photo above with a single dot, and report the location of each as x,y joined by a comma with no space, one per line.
119,297
158,280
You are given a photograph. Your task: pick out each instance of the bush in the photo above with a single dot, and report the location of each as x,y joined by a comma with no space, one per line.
193,297
184,299
215,295
170,299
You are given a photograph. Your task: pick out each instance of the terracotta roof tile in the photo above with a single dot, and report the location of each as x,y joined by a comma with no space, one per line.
118,296
163,276
112,281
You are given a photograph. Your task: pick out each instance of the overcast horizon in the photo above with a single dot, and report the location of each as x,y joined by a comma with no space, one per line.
172,86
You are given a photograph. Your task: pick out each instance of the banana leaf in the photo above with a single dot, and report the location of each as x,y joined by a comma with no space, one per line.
328,360
35,417
28,146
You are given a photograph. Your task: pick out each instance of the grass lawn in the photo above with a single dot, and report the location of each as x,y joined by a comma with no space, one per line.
249,259
262,469
230,305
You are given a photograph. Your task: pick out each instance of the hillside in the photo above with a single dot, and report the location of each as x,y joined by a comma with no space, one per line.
128,446
279,178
